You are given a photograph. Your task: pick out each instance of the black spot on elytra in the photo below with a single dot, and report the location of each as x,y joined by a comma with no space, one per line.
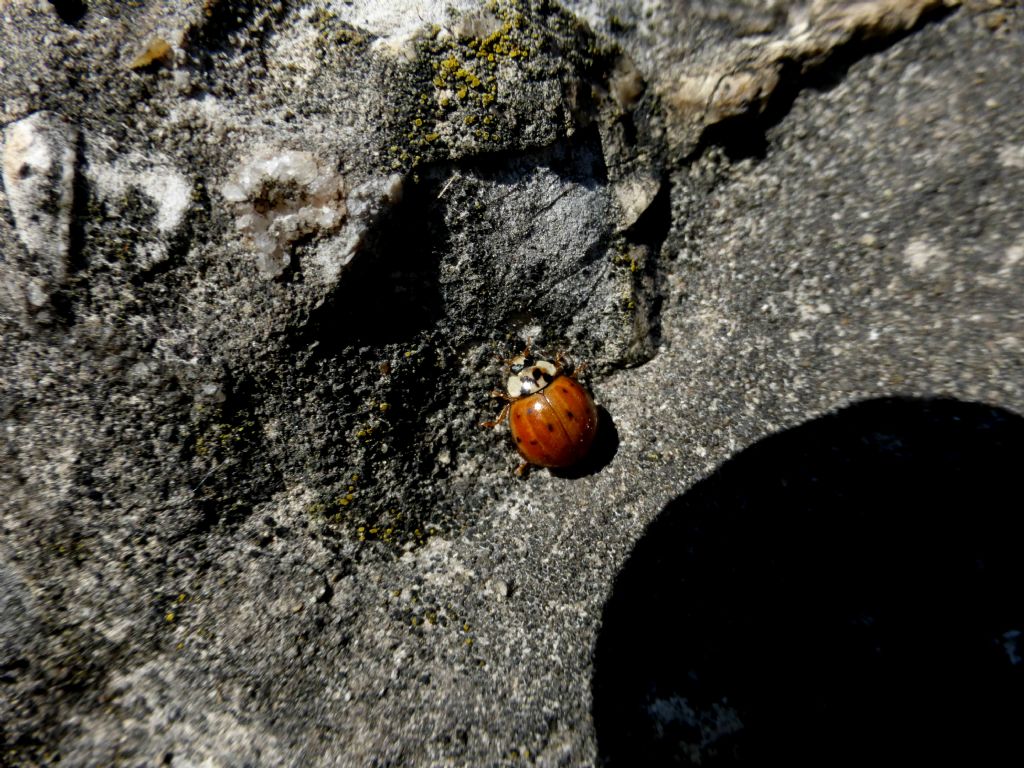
519,439
570,415
551,427
564,389
533,442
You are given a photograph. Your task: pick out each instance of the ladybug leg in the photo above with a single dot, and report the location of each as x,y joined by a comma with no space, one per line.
522,469
560,364
501,417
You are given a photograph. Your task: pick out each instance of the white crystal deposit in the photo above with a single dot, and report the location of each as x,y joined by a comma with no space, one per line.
39,174
279,196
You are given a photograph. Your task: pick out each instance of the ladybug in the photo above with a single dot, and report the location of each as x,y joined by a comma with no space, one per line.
553,419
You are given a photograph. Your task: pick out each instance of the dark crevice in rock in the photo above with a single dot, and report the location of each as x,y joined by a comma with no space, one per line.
651,231
565,157
226,22
70,11
61,298
653,225
746,136
389,294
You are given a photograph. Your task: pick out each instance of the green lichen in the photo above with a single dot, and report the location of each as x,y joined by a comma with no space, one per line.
630,262
457,81
419,609
360,521
334,32
224,440
75,550
219,438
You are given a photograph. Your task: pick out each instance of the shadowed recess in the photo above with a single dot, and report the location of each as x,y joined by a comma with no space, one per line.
842,590
746,135
70,11
226,23
389,294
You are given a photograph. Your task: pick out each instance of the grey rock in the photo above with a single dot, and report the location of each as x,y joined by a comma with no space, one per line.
249,515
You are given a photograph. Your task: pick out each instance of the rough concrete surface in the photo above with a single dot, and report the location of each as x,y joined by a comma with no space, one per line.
259,261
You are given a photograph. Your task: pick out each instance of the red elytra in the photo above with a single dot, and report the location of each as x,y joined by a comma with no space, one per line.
552,417
556,426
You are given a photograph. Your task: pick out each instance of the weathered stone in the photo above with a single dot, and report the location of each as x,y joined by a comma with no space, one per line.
256,521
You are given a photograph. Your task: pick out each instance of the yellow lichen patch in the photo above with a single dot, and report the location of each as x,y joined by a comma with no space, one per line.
465,72
221,437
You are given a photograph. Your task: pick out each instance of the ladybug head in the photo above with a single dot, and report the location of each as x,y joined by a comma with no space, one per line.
519,362
528,375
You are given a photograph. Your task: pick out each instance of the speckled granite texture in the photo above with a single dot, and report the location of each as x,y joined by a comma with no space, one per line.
258,261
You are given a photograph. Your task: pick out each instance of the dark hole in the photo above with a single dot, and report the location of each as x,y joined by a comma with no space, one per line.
25,171
70,11
845,589
390,293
